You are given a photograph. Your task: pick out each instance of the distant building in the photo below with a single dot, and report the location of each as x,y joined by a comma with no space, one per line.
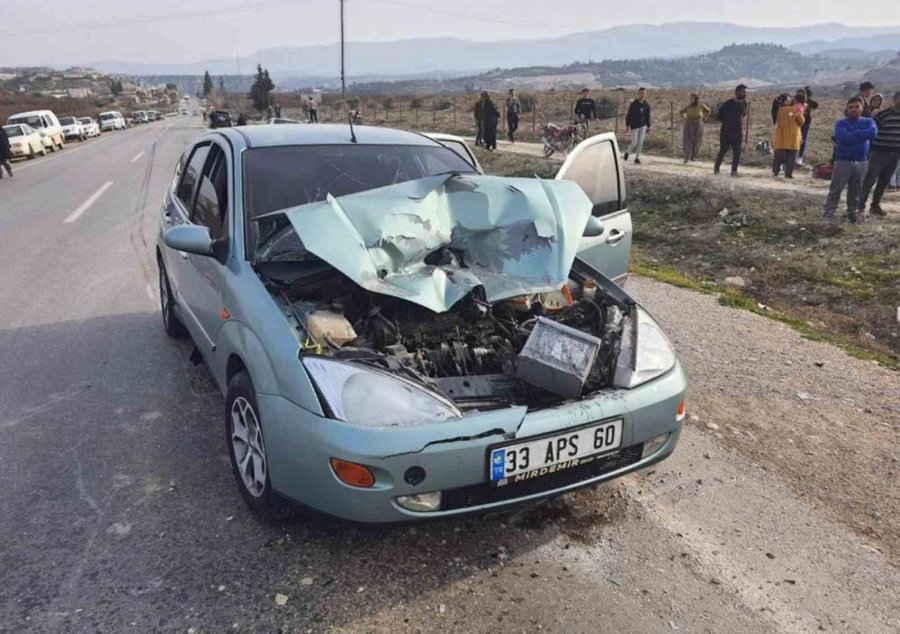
79,93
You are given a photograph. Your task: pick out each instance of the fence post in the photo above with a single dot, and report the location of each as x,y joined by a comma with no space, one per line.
747,130
617,117
672,124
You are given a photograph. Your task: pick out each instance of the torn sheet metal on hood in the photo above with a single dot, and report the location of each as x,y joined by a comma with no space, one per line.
511,235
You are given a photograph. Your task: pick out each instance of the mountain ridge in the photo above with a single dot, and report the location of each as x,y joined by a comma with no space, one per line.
449,55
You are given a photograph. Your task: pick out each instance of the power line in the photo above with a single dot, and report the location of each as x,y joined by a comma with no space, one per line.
476,17
97,25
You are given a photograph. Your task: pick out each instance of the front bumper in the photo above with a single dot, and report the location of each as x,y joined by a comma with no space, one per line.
299,445
20,151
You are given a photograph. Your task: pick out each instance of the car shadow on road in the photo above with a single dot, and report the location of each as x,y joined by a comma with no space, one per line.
121,503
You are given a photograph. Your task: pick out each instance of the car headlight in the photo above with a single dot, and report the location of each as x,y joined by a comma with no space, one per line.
362,396
646,352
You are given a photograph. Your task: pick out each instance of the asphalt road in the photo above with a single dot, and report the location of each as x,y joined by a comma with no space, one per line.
119,512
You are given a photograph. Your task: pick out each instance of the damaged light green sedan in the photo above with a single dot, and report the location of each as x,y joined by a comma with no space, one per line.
399,336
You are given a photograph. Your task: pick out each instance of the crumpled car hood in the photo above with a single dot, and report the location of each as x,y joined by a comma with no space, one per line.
515,235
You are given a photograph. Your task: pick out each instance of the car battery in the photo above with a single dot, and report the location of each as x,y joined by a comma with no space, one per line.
557,358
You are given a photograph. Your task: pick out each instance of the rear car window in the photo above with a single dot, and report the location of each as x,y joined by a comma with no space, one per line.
13,130
34,121
277,178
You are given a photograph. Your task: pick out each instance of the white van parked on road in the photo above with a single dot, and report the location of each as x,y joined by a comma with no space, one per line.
46,123
111,120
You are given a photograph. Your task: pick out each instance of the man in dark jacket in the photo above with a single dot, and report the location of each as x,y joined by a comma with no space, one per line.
852,136
637,121
5,152
512,115
479,127
585,108
731,114
242,120
490,115
883,157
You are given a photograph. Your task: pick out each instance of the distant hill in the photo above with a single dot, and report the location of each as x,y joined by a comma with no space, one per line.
756,65
457,56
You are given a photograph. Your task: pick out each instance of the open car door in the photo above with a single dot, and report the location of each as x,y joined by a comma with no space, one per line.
595,164
458,145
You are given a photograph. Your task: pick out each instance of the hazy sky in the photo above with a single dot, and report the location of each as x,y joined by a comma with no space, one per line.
78,31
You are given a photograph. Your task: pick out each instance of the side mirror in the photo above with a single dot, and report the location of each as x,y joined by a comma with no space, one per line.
593,228
190,239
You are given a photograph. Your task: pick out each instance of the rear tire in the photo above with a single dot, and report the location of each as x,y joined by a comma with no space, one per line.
246,447
171,324
31,154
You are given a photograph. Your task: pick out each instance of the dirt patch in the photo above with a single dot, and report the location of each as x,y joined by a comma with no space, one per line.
771,247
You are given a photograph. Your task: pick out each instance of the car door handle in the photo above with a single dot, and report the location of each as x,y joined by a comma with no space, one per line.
184,255
615,236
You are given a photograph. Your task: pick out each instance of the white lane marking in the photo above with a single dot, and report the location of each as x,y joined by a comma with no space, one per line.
75,215
138,156
151,294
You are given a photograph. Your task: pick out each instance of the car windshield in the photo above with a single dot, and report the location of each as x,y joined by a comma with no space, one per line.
33,120
106,116
277,178
67,121
86,120
13,130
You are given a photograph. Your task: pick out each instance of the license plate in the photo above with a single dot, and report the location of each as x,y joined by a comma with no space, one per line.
551,454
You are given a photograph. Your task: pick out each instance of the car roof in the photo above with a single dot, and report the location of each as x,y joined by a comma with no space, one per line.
324,134
31,113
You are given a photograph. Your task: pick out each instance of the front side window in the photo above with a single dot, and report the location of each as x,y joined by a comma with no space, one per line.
191,175
211,206
277,178
596,170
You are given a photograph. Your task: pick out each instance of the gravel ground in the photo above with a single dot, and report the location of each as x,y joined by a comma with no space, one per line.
827,423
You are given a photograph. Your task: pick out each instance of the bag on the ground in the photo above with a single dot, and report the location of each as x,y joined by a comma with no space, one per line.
824,171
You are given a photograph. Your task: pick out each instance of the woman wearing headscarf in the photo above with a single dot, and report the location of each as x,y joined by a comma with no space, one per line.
788,135
694,114
811,104
490,115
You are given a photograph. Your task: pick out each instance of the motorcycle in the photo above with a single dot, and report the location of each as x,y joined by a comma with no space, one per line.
562,138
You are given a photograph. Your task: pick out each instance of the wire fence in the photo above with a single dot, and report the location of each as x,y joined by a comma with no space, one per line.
455,115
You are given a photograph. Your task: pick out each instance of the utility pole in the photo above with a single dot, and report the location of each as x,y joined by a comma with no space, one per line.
343,76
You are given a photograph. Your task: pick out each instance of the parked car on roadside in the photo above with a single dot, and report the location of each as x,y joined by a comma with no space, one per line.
220,119
91,128
25,141
155,115
72,129
140,117
46,123
400,337
111,120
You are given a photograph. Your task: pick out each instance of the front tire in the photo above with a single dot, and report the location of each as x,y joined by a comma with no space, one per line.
246,446
171,324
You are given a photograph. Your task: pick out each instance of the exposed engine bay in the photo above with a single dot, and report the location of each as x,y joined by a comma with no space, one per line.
537,350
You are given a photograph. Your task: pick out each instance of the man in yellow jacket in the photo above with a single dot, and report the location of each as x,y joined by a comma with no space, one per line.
788,135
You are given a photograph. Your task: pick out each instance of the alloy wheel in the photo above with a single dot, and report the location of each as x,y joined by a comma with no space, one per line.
247,445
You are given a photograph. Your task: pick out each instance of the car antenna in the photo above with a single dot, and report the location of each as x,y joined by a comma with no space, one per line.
352,133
